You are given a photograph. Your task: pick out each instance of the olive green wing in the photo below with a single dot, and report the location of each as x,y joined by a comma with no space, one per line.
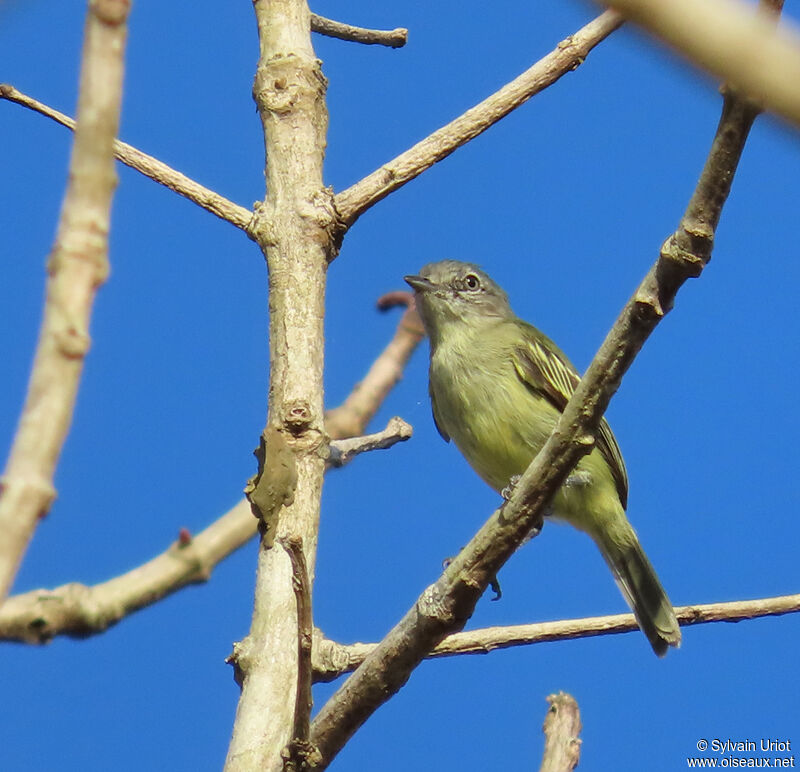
445,436
547,371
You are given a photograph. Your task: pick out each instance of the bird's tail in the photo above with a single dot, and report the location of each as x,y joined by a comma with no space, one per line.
636,578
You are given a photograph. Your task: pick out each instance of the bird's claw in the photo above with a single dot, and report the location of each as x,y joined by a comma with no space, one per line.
509,489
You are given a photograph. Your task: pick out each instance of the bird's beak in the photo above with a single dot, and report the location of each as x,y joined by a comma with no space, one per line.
419,283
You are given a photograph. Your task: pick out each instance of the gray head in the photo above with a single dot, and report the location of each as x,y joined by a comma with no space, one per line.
451,291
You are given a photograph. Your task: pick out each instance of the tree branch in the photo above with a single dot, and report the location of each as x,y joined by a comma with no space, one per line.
353,415
332,659
395,38
148,166
77,266
562,725
445,606
344,451
298,753
78,610
567,56
296,228
726,38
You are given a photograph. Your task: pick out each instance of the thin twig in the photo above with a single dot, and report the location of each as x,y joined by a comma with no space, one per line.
350,418
344,451
79,610
298,753
393,38
445,606
77,266
567,56
333,659
562,725
145,164
727,39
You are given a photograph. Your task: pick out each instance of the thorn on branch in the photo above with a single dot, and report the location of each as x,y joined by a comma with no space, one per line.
395,38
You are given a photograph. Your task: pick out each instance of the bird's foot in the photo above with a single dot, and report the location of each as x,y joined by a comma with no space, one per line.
493,583
509,489
578,479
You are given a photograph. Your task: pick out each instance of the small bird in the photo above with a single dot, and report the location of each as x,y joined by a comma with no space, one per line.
498,387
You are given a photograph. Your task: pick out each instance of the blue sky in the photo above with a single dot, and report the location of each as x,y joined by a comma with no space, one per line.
565,203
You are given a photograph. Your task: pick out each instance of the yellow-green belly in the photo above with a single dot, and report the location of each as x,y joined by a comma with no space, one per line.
499,424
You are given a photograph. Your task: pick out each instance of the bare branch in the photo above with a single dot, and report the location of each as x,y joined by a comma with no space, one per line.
394,38
562,725
145,164
567,56
726,38
445,606
298,753
344,451
333,659
297,229
79,610
353,415
77,266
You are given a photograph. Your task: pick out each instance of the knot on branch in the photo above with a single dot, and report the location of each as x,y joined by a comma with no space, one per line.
261,228
433,605
88,244
689,249
285,81
647,306
297,416
111,12
299,755
322,220
329,659
73,341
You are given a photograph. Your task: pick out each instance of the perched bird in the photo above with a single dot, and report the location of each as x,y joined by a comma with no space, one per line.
497,388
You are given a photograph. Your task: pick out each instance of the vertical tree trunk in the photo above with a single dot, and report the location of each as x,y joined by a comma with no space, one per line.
294,228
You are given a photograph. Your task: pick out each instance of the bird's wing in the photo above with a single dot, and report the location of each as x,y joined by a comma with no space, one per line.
442,432
548,373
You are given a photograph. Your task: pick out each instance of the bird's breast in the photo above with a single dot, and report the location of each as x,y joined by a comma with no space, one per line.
480,402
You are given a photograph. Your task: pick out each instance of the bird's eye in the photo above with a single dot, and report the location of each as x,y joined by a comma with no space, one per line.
471,281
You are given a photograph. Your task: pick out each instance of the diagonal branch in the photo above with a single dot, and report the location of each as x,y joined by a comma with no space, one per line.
567,56
393,38
729,40
445,606
77,266
79,610
333,659
353,415
145,164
